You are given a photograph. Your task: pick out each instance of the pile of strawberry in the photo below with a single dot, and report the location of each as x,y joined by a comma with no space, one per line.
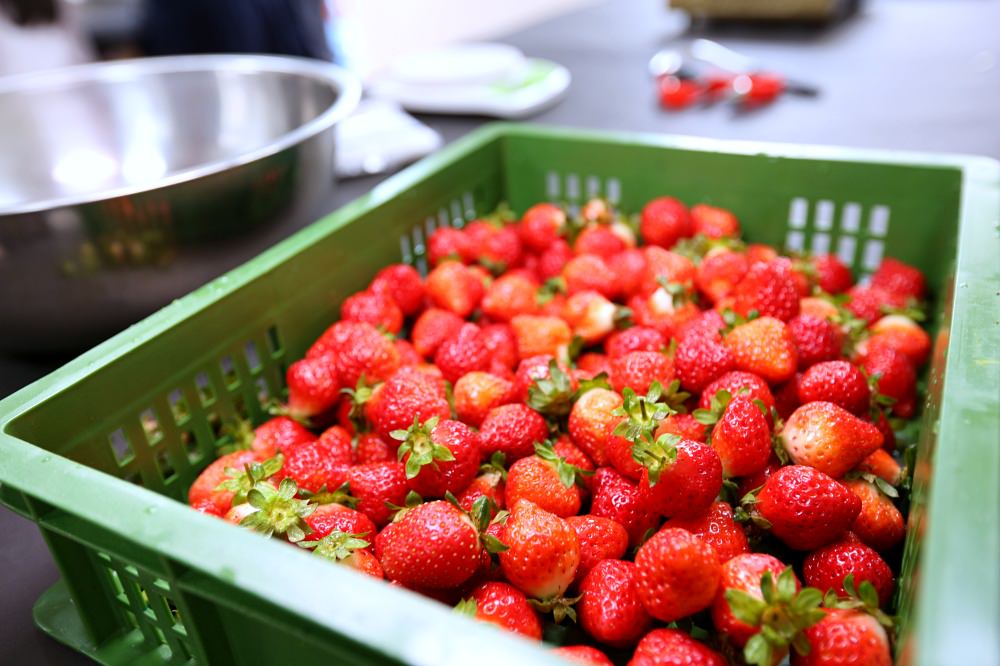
686,447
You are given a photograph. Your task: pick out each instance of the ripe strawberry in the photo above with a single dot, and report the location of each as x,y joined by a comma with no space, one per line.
553,259
205,493
867,302
407,395
447,244
845,638
888,434
489,484
742,438
462,353
454,287
664,311
374,484
589,272
329,517
805,507
879,524
593,364
664,221
371,449
684,426
505,606
897,378
764,347
786,397
638,371
501,249
717,527
512,430
565,448
476,393
769,289
838,382
635,338
719,273
541,225
546,480
403,285
826,568
619,499
898,278
378,310
590,315
673,647
610,610
628,266
600,539
321,462
583,654
535,379
591,422
685,486
666,267
500,340
407,353
743,573
902,334
439,457
678,574
367,353
832,275
829,438
434,546
820,308
802,273
313,386
541,335
510,295
599,239
816,340
700,360
735,382
714,222
276,435
432,328
542,551
881,464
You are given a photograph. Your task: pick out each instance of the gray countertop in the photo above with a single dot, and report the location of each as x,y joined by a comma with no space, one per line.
909,75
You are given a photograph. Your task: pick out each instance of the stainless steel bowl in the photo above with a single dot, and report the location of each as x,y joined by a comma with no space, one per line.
124,185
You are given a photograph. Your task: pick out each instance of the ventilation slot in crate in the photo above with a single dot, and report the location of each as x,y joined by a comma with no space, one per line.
857,236
455,214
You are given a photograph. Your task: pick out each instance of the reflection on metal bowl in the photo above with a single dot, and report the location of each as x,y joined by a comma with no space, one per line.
124,185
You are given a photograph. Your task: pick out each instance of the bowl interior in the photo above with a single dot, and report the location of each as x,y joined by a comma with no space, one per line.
104,128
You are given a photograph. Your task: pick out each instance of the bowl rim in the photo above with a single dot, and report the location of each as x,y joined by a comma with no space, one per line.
346,84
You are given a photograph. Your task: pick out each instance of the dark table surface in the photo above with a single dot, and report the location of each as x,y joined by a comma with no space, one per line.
910,75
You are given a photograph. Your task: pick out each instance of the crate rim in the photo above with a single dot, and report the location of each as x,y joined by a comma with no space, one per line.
978,215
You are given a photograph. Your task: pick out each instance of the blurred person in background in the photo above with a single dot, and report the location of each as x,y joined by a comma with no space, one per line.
40,34
285,27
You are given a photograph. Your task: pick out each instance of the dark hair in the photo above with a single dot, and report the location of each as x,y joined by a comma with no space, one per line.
27,12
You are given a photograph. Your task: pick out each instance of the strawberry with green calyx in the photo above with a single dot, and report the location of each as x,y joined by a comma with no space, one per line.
683,425
543,552
679,477
740,435
641,416
241,481
552,394
313,386
778,617
503,605
879,523
329,517
276,435
433,546
828,437
336,546
491,483
861,597
438,456
318,464
550,289
592,421
831,567
212,492
277,511
358,398
547,480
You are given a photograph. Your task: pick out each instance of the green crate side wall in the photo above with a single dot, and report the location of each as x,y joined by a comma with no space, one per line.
173,426
182,445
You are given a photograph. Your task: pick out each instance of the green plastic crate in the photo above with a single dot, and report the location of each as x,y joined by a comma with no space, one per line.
98,452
